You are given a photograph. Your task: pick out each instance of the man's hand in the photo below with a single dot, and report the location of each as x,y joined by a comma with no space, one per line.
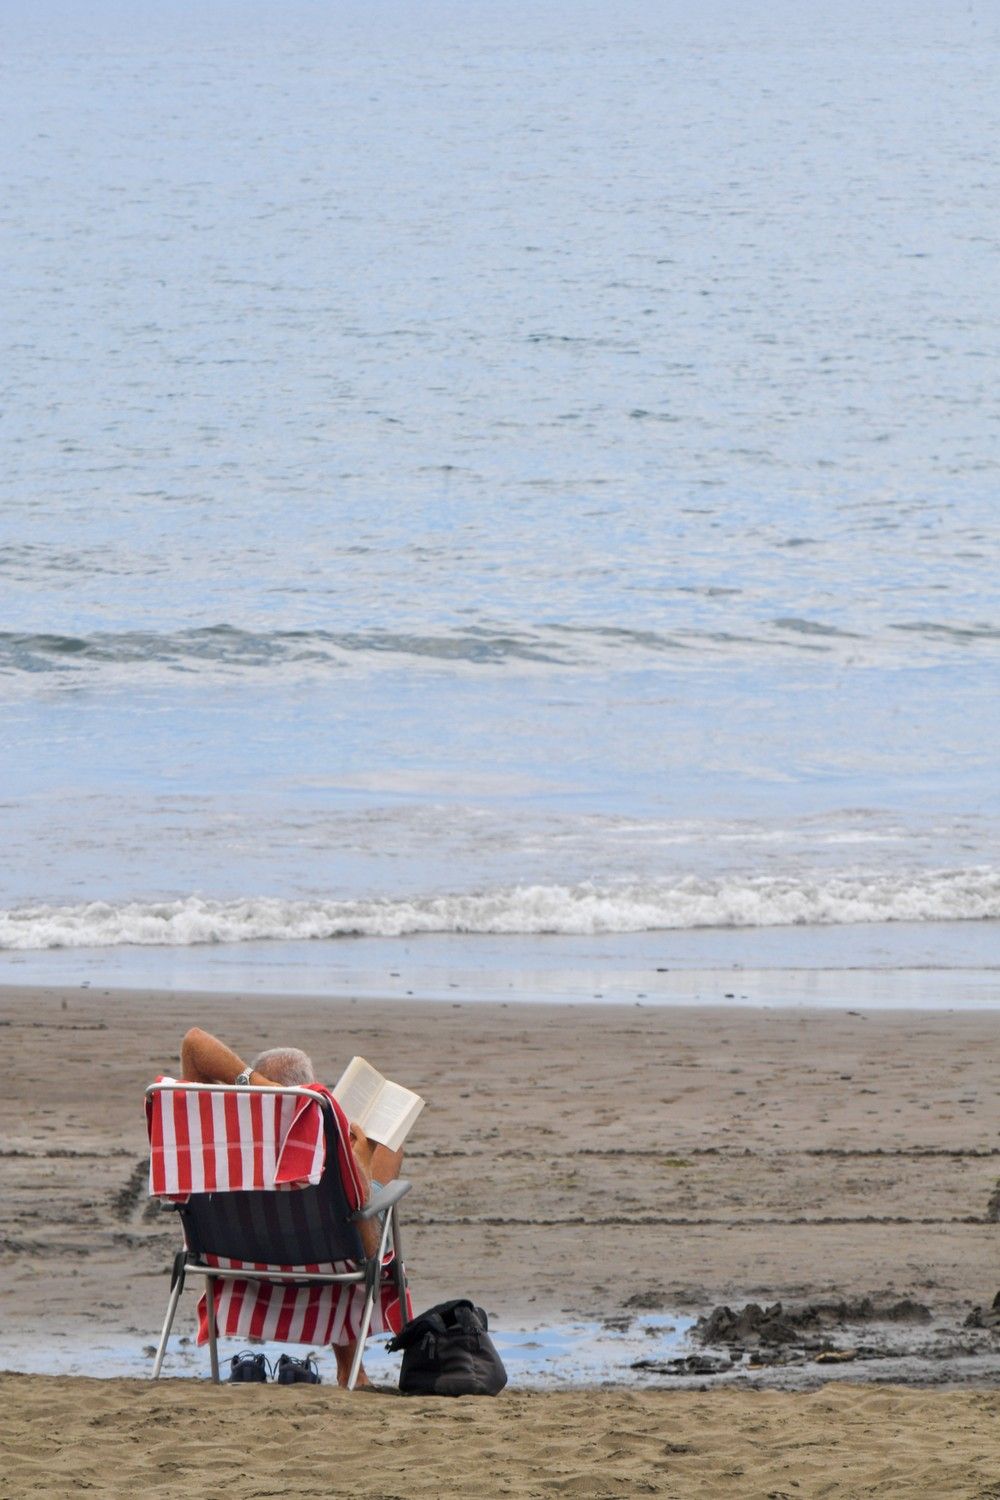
386,1163
362,1147
374,1159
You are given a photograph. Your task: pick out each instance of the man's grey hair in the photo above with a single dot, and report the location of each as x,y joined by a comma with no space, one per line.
284,1065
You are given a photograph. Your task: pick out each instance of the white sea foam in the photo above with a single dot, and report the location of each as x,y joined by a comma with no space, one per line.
581,910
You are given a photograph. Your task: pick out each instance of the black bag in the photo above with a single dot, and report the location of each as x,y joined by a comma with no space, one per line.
447,1352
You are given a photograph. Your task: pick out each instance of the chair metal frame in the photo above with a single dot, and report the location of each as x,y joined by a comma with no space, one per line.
368,1272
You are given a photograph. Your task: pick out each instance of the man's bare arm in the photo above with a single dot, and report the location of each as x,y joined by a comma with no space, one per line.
204,1059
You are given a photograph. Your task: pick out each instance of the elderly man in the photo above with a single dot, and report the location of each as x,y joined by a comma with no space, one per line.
204,1059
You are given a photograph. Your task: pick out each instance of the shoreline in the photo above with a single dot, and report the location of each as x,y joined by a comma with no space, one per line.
945,967
913,991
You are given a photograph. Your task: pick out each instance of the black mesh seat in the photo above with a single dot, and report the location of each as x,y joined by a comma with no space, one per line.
280,1229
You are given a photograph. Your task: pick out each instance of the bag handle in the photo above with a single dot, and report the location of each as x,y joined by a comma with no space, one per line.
440,1320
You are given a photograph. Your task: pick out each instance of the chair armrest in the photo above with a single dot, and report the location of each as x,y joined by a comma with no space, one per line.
384,1198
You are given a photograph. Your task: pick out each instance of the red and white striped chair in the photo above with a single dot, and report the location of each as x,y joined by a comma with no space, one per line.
270,1198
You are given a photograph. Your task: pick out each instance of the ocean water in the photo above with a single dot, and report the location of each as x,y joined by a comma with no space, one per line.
493,472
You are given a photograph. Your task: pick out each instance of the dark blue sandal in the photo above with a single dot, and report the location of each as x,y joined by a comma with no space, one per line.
248,1366
291,1371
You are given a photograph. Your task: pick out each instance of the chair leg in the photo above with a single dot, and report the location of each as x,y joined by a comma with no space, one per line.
213,1342
374,1268
359,1348
176,1287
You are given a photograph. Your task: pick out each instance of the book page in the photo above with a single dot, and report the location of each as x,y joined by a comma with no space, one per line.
356,1089
392,1114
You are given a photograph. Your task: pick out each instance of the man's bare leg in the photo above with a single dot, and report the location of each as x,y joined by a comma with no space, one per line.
344,1355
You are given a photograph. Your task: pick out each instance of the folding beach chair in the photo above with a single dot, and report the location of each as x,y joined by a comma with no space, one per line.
270,1199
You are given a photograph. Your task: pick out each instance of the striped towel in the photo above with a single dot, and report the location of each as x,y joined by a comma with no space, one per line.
226,1142
203,1142
299,1314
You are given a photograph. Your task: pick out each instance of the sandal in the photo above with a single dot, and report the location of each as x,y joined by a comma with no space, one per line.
248,1366
292,1371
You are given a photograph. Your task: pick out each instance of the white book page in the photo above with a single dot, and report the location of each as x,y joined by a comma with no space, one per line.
356,1089
392,1115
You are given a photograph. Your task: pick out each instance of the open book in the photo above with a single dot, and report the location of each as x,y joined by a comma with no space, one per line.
385,1111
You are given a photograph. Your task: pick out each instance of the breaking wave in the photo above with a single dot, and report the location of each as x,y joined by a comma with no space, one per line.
227,646
580,910
46,656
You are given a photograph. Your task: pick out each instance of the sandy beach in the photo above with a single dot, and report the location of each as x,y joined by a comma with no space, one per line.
574,1163
64,1437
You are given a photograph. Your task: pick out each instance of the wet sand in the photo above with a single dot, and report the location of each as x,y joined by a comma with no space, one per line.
573,1162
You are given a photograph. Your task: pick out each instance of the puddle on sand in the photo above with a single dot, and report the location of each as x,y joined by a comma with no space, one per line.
560,1356
574,1353
565,1354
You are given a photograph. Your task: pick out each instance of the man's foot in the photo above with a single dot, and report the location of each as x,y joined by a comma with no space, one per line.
344,1355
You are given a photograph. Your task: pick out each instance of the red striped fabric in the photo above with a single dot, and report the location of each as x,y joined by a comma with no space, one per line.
207,1124
203,1142
313,1315
182,1144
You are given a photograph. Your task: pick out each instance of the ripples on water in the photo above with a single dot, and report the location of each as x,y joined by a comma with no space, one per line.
435,440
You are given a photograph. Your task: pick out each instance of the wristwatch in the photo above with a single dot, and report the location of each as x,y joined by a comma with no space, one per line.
243,1077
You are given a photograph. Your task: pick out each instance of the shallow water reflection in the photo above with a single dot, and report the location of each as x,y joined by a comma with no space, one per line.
575,1353
558,1355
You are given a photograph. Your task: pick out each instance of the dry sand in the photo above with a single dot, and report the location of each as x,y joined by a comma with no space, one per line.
63,1437
578,1161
